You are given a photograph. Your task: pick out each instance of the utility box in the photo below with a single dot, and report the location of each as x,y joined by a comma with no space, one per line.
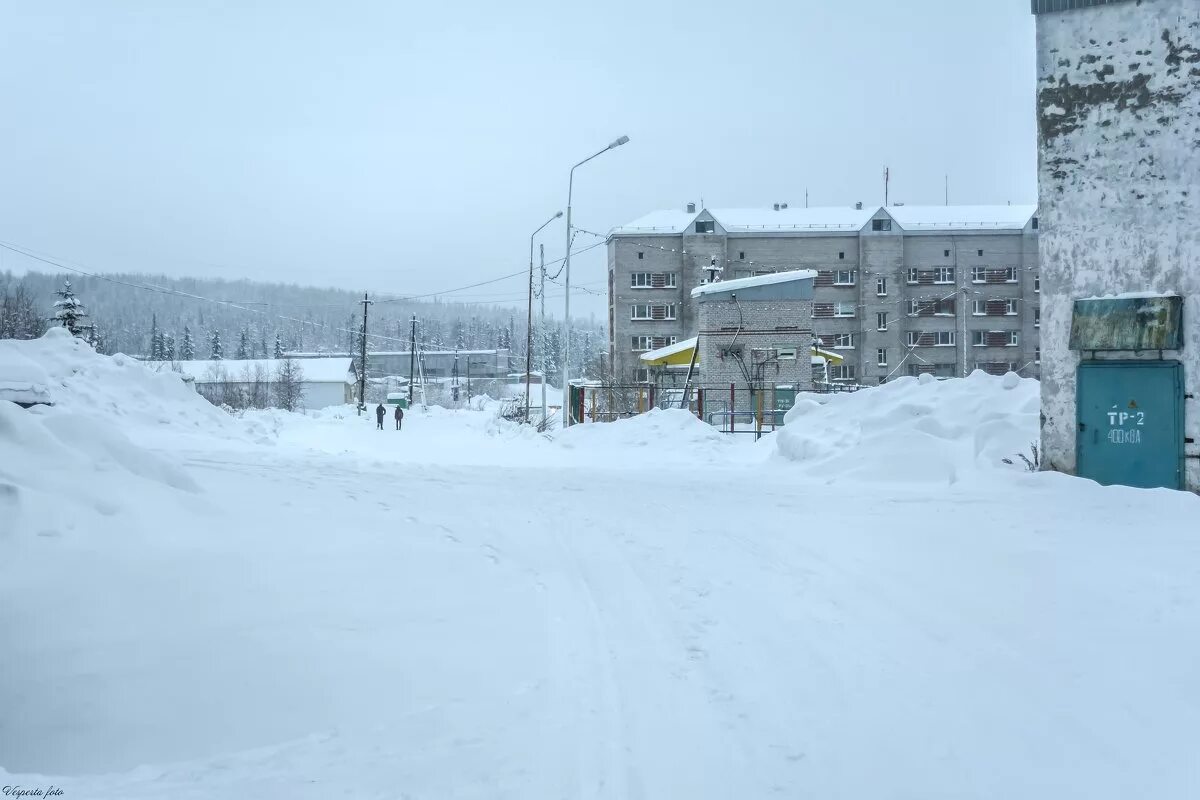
398,399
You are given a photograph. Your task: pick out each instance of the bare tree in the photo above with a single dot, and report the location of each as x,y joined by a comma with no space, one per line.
19,317
289,386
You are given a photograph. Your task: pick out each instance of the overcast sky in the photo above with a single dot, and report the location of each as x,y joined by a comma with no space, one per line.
408,147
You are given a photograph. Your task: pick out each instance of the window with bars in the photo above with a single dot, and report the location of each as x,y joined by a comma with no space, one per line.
932,307
653,280
931,338
650,311
995,308
995,339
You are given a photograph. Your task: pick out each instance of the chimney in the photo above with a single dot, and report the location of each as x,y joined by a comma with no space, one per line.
691,208
858,206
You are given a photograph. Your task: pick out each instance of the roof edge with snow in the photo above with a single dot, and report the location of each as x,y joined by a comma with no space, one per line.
758,280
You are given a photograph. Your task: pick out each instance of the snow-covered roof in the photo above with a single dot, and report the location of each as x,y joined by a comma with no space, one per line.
758,280
750,220
833,219
918,218
314,370
671,350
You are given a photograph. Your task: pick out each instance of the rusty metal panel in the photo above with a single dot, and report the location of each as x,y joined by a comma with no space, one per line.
1128,323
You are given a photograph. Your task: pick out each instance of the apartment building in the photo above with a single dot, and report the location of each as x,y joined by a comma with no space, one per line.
901,290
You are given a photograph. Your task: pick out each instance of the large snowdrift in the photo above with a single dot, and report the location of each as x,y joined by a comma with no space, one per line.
914,430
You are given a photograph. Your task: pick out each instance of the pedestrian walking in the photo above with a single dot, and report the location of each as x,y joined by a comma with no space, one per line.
379,414
399,416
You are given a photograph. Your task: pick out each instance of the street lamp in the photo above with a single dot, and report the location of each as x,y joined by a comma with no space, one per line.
566,405
529,324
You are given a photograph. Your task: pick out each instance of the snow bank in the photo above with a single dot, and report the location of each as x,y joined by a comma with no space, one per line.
914,430
662,435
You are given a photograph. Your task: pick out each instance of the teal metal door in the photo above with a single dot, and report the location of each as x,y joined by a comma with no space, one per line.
1131,423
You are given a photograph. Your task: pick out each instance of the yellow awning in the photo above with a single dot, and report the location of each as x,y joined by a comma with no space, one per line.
680,355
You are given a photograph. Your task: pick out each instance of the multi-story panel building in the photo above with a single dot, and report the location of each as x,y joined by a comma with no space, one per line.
902,290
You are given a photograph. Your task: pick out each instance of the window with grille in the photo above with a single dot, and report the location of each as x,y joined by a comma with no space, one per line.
995,308
931,338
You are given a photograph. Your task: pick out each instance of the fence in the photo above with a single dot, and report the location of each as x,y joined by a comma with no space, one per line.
730,409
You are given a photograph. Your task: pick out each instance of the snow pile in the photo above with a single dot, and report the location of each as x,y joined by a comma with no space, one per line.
116,388
914,430
662,436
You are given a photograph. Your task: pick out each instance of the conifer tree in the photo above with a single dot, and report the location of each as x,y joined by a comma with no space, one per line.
68,311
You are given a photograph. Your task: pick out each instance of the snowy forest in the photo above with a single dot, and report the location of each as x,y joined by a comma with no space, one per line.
196,318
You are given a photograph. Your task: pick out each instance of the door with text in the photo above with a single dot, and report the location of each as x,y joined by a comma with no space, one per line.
1130,423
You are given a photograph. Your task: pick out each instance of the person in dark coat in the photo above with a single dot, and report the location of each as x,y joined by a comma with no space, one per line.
399,416
379,412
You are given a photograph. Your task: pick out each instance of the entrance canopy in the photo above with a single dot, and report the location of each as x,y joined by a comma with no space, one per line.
680,355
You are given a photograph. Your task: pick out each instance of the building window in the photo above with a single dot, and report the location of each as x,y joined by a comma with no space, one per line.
641,375
1035,223
931,339
978,274
981,254
706,226
843,341
914,276
946,253
741,255
785,352
843,373
842,256
881,224
943,275
881,321
641,255
995,308
845,277
881,287
931,308
1014,339
643,344
1037,355
1037,317
652,280
844,310
644,311
1037,281
881,357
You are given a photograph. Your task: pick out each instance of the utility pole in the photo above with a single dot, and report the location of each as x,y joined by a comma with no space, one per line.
412,359
542,321
887,179
362,359
468,379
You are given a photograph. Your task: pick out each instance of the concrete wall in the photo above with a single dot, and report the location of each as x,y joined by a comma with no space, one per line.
1119,124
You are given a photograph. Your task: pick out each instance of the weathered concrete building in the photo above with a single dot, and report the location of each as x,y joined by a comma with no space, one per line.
902,290
1119,128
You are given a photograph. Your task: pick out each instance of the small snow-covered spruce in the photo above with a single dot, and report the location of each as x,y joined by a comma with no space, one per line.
187,348
68,311
278,354
243,350
155,339
288,388
215,346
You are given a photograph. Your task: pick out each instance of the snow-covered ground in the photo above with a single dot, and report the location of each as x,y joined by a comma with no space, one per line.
867,604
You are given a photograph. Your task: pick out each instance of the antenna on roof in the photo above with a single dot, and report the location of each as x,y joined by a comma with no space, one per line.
806,197
887,179
947,188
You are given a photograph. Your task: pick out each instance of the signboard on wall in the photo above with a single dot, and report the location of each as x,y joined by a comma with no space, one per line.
1128,323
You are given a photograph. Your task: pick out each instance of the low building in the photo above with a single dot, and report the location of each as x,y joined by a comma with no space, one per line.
479,364
1118,123
324,382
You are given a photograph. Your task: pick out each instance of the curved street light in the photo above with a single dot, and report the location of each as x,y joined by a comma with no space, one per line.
566,374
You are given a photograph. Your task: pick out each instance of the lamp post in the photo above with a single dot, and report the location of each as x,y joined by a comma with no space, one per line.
529,323
566,390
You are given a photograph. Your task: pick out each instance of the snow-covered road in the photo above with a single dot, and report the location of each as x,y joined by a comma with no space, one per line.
377,623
